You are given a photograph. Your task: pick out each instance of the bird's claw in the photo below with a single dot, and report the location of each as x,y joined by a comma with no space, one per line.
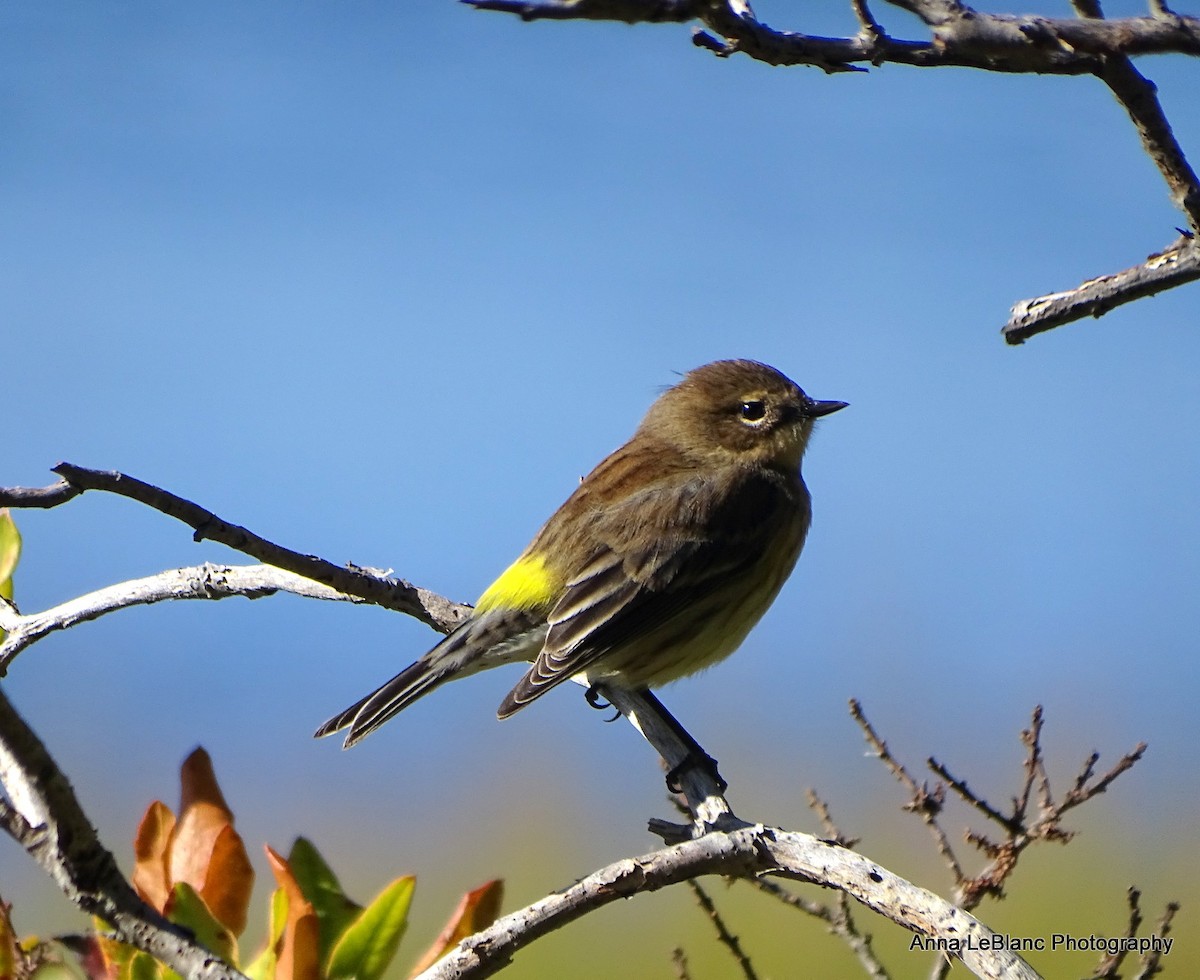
595,699
697,760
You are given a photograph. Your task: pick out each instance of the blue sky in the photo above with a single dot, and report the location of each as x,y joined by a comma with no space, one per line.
380,281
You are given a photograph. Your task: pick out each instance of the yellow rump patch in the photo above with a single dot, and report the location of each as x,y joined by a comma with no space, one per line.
525,584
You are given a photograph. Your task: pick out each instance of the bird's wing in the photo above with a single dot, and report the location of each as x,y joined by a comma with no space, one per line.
652,565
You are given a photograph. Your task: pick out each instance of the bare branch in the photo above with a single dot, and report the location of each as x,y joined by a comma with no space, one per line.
963,37
925,803
837,917
870,30
747,852
51,496
429,607
1035,768
821,809
628,11
1179,263
1152,947
1139,96
205,581
45,818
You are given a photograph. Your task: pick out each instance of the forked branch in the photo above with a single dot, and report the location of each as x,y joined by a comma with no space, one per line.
962,36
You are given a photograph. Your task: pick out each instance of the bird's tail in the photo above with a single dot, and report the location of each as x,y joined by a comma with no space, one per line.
393,697
482,642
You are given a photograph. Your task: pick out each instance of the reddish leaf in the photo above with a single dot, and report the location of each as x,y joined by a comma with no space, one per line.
229,881
477,910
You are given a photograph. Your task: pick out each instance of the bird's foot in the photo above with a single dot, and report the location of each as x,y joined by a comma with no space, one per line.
695,760
593,697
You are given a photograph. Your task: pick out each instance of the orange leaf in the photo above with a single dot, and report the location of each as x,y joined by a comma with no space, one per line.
198,783
150,853
298,957
229,881
10,951
192,842
476,910
205,851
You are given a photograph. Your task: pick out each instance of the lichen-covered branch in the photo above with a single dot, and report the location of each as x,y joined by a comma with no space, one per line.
1177,264
747,852
205,581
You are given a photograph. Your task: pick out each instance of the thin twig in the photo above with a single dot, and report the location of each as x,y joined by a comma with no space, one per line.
966,794
839,920
724,936
1110,963
1031,738
927,804
821,808
1079,794
680,963
1151,964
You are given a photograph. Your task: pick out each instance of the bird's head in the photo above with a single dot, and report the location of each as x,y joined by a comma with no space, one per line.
737,412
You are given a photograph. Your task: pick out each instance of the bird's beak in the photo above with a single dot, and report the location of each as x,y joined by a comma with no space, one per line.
815,409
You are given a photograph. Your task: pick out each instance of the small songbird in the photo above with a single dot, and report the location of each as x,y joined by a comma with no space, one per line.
660,562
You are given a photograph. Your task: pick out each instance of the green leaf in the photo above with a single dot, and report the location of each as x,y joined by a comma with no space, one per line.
185,907
10,549
10,553
366,948
320,886
142,966
54,970
263,965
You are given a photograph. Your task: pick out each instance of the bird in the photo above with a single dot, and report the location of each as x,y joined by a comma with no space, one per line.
659,563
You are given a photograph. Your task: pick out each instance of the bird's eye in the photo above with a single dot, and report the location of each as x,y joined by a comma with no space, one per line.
753,410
